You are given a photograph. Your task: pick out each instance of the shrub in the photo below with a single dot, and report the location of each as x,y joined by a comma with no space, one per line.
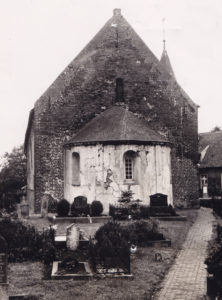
144,211
217,206
112,209
96,208
32,245
109,237
52,205
142,231
126,197
63,208
79,210
214,260
111,249
119,212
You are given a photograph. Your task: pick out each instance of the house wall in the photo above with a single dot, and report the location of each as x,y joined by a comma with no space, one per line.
102,173
214,180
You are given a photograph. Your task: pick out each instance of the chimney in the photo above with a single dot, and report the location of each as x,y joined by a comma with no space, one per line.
116,12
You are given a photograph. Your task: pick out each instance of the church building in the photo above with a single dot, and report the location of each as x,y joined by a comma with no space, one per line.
115,119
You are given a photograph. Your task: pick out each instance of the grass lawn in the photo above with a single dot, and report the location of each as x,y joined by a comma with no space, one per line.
27,277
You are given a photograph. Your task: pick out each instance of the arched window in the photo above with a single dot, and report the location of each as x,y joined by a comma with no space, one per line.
130,165
75,168
119,90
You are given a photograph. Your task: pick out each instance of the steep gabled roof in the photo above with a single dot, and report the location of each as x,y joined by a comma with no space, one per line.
117,125
211,142
114,37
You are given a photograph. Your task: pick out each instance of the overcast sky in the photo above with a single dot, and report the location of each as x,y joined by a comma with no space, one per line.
38,39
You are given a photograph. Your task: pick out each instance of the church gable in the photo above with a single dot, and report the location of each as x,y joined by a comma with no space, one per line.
116,69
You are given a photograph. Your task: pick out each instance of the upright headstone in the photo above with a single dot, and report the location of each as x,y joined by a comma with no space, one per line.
158,200
44,205
72,237
3,270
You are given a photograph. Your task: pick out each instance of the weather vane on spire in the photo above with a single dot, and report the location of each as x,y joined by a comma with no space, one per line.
163,30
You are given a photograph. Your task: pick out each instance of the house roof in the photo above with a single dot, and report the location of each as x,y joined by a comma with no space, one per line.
117,125
115,44
210,144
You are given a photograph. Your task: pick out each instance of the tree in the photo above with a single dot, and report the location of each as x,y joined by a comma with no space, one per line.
215,129
12,177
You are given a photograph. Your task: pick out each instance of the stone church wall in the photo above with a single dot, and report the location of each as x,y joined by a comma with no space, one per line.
102,173
88,86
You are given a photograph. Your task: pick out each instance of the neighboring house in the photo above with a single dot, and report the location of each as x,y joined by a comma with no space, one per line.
210,169
115,119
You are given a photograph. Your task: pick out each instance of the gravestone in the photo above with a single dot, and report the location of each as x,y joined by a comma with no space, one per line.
72,237
158,200
3,270
44,205
80,205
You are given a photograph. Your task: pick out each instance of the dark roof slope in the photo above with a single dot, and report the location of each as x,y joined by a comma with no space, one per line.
117,33
126,38
116,125
213,156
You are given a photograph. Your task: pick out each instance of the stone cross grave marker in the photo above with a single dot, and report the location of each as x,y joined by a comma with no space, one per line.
3,269
72,236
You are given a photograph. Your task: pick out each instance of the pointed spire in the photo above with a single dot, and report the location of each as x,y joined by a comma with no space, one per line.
166,64
165,61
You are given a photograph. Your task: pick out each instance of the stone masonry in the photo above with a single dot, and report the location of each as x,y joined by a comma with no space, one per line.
87,87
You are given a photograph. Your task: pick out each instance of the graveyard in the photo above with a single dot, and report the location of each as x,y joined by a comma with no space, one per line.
68,256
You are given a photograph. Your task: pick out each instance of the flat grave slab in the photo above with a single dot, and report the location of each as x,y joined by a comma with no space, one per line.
87,273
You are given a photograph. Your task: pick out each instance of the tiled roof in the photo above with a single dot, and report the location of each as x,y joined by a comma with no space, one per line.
213,155
117,125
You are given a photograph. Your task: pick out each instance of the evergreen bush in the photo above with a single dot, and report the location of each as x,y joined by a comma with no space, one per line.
96,208
63,208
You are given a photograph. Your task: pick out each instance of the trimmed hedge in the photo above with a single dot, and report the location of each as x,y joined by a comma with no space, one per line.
96,208
63,208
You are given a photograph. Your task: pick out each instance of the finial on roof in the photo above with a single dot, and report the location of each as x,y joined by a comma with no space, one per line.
164,37
117,12
164,45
